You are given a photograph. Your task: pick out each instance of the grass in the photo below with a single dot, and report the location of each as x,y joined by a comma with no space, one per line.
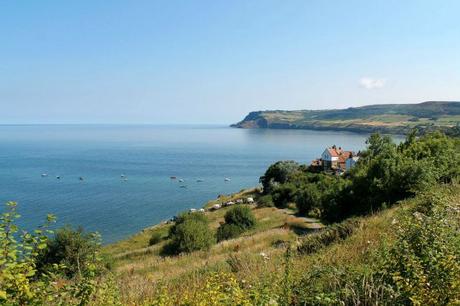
136,263
141,271
392,119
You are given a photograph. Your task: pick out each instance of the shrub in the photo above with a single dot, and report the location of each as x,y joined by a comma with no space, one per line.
278,173
74,249
308,198
155,238
424,263
190,233
265,201
21,283
241,216
228,231
237,220
283,194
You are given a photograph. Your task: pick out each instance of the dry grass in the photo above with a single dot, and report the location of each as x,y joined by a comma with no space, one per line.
140,268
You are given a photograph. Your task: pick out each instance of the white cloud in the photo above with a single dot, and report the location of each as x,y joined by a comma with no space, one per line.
371,83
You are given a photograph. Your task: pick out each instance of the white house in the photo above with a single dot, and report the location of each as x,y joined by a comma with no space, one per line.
330,157
336,159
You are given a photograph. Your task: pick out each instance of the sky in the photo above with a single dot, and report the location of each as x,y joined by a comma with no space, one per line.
214,61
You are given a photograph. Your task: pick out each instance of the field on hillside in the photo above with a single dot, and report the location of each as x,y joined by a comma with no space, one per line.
257,260
391,118
141,269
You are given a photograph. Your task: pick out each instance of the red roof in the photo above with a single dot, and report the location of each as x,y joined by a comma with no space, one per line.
333,152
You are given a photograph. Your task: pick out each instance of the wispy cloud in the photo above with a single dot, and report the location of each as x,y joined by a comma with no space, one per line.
371,83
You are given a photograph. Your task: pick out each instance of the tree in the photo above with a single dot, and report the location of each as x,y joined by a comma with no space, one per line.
237,220
241,216
190,233
74,249
228,231
22,283
278,173
307,198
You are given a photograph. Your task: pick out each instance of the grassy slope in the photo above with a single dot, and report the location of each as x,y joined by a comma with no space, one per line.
139,266
395,118
140,269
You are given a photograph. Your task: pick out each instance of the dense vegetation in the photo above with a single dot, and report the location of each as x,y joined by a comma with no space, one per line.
46,268
388,118
237,220
190,233
393,239
386,173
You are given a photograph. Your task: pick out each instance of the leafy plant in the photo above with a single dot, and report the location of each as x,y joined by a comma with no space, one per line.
190,233
240,216
74,249
228,231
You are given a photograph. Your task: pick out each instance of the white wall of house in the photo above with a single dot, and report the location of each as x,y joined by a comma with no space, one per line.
326,156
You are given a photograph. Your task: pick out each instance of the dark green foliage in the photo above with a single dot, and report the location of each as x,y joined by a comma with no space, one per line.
155,238
278,173
228,231
325,237
283,194
75,249
265,201
241,216
190,233
237,220
388,173
308,198
385,174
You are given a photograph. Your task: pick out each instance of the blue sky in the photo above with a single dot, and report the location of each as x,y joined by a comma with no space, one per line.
214,61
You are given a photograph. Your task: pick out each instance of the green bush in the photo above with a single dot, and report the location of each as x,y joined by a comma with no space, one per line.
265,201
278,173
75,249
228,231
307,198
283,194
155,238
240,216
237,220
424,263
22,253
190,233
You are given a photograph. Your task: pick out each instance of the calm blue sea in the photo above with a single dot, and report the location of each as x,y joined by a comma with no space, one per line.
147,155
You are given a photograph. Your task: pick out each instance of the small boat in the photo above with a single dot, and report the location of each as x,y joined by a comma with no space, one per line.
81,178
173,177
122,176
44,175
227,179
181,180
58,177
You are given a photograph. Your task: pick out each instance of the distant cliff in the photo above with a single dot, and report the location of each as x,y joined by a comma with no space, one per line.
385,118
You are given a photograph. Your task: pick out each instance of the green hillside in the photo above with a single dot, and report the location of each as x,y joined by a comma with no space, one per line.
387,118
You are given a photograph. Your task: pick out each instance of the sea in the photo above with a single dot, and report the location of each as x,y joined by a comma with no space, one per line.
116,179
